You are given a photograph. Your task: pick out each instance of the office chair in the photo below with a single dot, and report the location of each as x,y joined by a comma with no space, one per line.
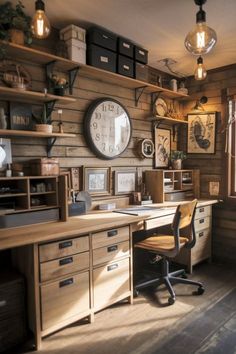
166,247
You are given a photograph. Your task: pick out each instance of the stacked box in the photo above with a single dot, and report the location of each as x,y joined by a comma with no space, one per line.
75,38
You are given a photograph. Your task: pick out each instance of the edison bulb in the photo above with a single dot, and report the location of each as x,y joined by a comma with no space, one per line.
200,72
201,39
40,24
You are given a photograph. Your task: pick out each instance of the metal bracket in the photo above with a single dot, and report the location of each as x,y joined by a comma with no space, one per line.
49,71
50,144
49,107
138,93
72,76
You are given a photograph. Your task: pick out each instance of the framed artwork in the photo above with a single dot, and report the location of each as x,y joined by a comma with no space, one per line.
75,178
162,147
20,116
201,133
96,180
125,181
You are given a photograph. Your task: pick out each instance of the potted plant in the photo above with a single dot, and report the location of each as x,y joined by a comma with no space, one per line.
59,85
43,122
15,25
176,158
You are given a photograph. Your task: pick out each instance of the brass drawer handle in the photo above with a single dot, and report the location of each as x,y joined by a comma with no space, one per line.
201,210
65,261
65,244
112,233
66,282
201,234
112,267
201,221
112,248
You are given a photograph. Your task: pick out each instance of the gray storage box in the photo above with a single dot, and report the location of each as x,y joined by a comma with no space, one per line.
101,58
102,38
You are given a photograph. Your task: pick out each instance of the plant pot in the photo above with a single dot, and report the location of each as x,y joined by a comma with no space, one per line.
176,164
17,36
59,91
43,128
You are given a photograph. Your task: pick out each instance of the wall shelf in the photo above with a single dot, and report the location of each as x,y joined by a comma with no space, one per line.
8,132
167,120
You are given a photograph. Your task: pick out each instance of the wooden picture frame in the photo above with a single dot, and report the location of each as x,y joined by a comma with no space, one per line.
201,133
162,147
20,116
96,180
125,181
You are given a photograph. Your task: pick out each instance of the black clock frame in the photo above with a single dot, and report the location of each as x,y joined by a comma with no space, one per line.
86,124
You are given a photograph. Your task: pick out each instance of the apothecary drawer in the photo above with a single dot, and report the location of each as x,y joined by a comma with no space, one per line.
110,282
111,252
109,237
63,248
202,223
64,298
201,212
62,266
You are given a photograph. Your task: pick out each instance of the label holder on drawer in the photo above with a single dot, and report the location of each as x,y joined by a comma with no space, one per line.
112,233
65,244
66,282
112,248
65,261
112,267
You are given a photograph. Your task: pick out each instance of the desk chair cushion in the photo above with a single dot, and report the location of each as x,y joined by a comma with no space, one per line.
161,243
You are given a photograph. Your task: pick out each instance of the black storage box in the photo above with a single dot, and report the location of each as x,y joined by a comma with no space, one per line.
101,58
76,208
125,66
141,55
101,37
141,72
125,47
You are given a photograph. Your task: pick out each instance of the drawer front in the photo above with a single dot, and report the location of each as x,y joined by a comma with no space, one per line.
63,299
111,252
110,282
157,222
109,237
63,248
203,223
59,267
202,249
201,212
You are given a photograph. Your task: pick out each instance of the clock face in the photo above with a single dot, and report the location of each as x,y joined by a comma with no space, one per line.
107,128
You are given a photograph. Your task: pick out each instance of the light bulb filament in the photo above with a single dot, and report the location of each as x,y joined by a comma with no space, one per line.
200,40
40,25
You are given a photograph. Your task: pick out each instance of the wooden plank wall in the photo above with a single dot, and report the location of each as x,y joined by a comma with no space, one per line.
212,167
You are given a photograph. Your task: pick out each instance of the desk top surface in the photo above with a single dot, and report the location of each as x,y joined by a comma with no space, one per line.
84,224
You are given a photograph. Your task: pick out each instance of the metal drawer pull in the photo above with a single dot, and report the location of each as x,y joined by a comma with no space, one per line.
3,303
201,210
112,267
112,248
201,234
66,282
112,233
65,244
66,261
201,221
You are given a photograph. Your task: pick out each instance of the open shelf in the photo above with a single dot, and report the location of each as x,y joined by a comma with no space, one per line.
11,195
8,132
168,120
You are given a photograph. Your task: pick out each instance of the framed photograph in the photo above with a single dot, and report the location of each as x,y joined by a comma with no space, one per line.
5,153
75,178
162,147
20,116
96,180
125,181
201,133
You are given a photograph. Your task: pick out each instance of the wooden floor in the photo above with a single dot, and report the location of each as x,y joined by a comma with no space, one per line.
194,324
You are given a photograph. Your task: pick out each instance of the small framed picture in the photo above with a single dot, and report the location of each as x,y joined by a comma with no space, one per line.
96,180
75,178
20,116
201,133
162,147
125,181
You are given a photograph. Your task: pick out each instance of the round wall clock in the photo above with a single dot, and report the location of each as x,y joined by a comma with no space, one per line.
107,128
160,107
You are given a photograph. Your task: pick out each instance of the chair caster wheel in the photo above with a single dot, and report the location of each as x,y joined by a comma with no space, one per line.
199,291
136,293
171,300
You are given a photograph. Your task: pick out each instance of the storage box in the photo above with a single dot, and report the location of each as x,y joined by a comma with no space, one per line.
125,66
102,38
73,32
76,208
141,72
45,167
125,47
141,55
76,50
101,58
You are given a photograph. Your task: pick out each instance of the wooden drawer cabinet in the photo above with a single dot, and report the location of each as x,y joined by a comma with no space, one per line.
63,248
111,252
108,237
111,282
63,299
60,267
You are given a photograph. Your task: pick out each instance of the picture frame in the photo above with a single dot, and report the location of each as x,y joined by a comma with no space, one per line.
75,178
201,133
125,181
96,180
162,147
20,116
5,153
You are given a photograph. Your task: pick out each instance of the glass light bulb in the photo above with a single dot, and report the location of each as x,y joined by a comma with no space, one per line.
40,25
200,72
201,39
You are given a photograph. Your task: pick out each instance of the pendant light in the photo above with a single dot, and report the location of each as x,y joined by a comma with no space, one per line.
40,24
200,72
202,38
